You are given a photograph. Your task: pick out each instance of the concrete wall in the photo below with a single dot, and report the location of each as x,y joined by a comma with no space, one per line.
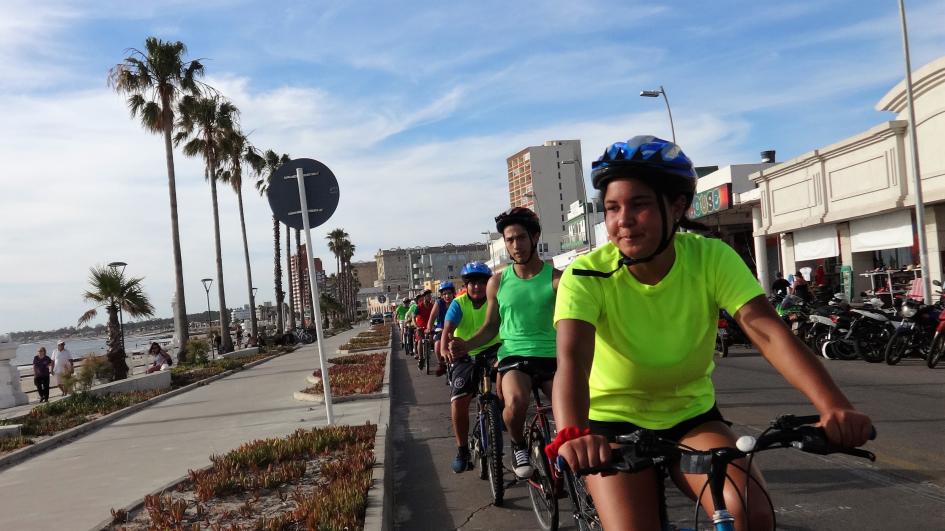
141,382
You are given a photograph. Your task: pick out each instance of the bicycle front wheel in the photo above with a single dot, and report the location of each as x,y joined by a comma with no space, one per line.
584,511
541,487
493,447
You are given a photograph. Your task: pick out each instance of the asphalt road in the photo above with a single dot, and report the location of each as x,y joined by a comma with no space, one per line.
903,489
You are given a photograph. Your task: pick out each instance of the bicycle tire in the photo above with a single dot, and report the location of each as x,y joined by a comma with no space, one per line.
721,347
585,515
421,357
895,348
426,355
936,351
475,447
493,449
543,496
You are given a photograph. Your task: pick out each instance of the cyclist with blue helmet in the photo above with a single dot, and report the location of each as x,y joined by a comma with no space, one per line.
465,316
520,308
636,321
435,323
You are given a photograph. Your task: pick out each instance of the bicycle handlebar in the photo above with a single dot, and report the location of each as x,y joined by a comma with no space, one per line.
643,449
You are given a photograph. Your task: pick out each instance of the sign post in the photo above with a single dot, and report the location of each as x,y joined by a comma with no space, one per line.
315,204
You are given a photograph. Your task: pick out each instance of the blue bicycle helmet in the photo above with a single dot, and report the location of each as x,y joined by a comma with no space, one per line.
661,163
475,269
446,286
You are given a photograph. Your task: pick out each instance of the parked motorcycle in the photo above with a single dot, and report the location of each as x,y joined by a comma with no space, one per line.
729,334
870,330
794,312
829,323
913,337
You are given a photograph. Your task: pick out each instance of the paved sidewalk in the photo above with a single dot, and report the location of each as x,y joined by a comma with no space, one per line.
75,485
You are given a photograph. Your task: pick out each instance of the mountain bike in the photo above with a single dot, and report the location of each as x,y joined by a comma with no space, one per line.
644,449
426,346
544,487
485,439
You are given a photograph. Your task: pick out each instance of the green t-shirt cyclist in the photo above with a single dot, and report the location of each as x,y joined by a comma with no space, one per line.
636,321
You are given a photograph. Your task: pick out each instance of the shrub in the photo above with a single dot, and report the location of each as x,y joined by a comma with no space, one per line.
196,352
93,367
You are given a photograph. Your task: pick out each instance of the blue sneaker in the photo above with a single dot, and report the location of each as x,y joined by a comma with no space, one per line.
462,463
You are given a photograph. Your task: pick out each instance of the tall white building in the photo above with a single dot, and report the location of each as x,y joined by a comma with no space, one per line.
547,179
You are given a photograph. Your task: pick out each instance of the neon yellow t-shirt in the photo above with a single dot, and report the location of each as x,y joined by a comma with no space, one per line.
653,355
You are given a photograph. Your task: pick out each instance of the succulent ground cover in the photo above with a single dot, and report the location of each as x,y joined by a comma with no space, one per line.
312,479
354,374
53,417
378,336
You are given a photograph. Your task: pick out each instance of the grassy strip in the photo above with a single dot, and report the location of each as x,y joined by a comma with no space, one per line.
353,378
312,479
51,418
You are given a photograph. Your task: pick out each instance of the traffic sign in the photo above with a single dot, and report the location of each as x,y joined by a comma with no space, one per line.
321,193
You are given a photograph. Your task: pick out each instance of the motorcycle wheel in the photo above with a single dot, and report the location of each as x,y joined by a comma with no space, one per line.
896,348
844,350
936,351
872,349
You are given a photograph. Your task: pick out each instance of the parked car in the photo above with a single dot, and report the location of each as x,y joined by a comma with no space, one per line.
388,315
377,319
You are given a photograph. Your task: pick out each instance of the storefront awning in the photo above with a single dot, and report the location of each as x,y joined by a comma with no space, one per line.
888,231
816,242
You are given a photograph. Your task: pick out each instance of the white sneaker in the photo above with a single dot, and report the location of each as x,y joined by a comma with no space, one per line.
520,464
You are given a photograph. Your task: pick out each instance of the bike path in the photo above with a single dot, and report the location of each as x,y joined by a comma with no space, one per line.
427,494
75,485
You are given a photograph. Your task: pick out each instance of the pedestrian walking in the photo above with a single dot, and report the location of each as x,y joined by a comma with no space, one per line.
62,367
41,367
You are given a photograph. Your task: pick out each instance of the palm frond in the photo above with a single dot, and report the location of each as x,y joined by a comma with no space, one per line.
87,316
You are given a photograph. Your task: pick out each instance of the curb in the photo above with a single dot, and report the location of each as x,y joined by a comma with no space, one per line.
378,515
18,456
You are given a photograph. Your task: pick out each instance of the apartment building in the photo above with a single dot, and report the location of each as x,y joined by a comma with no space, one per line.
403,272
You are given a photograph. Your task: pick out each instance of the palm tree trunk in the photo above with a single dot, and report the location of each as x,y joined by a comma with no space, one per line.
115,355
277,276
249,273
288,264
227,341
181,329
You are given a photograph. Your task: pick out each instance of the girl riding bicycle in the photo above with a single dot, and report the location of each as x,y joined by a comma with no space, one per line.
636,323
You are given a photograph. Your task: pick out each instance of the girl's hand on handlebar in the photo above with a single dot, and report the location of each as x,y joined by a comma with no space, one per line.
585,452
846,428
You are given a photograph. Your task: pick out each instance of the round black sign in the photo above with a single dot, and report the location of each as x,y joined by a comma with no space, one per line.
321,193
381,299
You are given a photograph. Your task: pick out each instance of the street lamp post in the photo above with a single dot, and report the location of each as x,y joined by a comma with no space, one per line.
121,317
916,175
656,94
207,282
488,236
531,195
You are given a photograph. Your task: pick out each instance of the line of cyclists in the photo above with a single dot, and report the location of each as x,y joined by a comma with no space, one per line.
620,341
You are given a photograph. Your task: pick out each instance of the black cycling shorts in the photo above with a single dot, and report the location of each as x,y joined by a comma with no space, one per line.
542,369
466,373
611,430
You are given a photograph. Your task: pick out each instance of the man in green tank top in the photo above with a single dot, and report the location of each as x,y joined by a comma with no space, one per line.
463,319
520,308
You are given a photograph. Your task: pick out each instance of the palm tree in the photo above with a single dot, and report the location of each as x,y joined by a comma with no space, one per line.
288,265
272,161
236,151
154,80
112,290
205,123
335,244
347,252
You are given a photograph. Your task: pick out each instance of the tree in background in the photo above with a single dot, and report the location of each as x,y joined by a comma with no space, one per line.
204,124
110,289
272,161
154,80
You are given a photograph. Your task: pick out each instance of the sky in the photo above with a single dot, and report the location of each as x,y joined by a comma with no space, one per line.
413,105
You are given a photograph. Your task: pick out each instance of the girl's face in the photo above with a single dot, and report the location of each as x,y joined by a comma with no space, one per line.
41,352
632,216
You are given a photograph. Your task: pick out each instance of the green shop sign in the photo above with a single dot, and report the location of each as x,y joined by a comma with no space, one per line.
711,201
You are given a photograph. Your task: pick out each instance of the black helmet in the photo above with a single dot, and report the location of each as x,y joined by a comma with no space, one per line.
518,216
660,163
